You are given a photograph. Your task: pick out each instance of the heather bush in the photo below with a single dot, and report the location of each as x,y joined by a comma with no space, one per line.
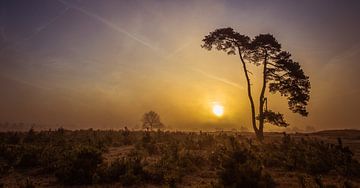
29,156
126,170
240,168
171,158
79,166
308,155
27,184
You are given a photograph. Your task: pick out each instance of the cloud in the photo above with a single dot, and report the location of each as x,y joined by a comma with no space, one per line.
33,34
222,80
41,28
179,49
109,24
136,38
346,54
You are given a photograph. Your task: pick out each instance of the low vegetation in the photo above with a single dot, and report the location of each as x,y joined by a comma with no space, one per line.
86,157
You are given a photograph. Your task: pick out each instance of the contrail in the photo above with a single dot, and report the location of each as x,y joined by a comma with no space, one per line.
108,23
33,34
120,30
179,49
41,28
218,78
125,32
224,81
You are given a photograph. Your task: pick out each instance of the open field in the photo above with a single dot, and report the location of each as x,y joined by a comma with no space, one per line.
155,93
179,159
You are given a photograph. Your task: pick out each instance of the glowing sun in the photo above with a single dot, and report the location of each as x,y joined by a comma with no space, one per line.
218,110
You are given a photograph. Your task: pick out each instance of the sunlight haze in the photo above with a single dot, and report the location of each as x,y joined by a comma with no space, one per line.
82,64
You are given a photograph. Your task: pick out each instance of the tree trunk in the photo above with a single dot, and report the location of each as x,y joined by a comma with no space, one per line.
253,116
262,101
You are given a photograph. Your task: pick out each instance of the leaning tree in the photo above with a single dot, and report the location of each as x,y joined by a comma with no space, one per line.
279,73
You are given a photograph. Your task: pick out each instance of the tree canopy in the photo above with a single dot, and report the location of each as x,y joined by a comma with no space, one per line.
281,74
151,120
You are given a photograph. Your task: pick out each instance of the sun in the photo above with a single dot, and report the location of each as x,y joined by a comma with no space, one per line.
218,110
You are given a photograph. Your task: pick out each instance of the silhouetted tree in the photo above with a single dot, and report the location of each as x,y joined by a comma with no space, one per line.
151,120
280,73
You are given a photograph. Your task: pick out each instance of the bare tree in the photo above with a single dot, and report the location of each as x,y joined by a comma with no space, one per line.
280,73
151,120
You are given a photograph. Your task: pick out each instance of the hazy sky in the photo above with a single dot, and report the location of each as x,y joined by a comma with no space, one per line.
104,63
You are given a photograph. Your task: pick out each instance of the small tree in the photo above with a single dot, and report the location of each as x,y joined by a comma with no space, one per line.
151,120
279,73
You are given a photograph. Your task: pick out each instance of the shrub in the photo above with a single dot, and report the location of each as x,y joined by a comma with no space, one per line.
216,156
112,173
27,184
4,167
13,138
21,156
128,170
171,167
29,156
30,136
308,156
80,166
126,136
240,168
239,171
10,153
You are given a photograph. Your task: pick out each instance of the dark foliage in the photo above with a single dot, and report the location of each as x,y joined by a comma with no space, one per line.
287,78
309,156
166,158
280,73
127,170
275,118
241,168
151,120
79,166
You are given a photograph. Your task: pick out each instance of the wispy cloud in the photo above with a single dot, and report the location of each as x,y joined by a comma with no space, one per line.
43,27
346,54
178,50
108,24
158,51
225,81
33,34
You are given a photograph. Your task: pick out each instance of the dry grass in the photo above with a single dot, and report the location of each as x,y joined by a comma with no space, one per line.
199,175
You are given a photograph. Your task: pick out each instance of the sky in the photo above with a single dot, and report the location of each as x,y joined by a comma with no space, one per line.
102,64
